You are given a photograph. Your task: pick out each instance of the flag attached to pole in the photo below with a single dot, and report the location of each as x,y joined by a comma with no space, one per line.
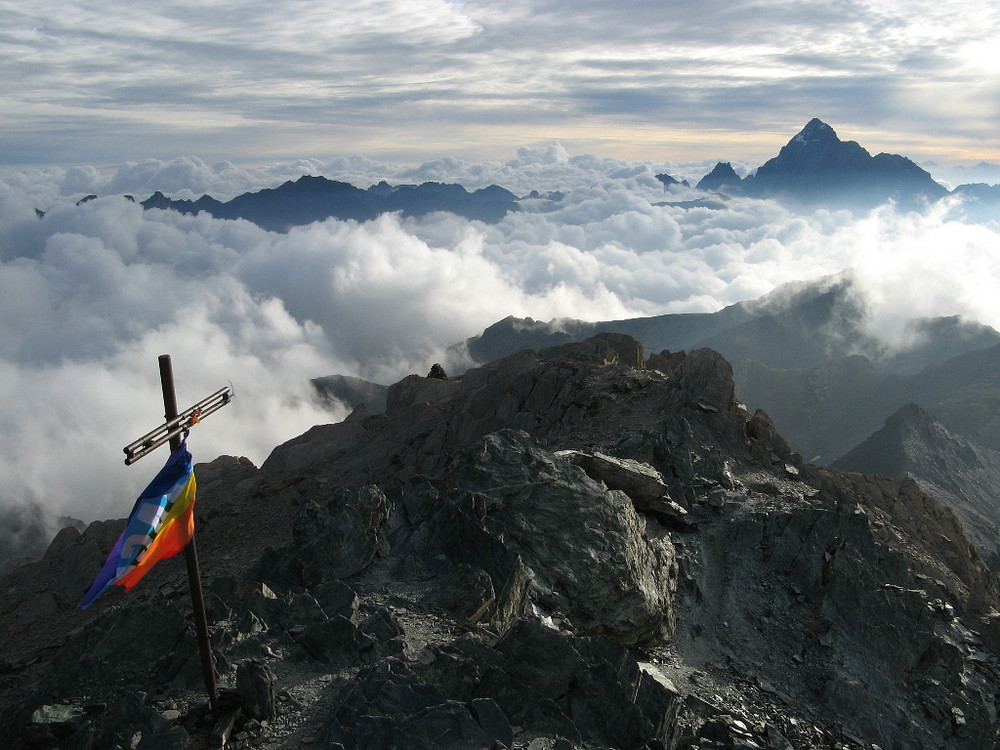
160,525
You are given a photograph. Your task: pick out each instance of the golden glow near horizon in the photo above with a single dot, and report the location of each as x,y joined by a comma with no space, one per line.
422,79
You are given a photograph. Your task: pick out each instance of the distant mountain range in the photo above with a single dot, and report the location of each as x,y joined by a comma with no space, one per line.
801,353
310,199
815,168
798,325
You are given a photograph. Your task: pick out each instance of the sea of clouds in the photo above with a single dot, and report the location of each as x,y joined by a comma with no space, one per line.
93,293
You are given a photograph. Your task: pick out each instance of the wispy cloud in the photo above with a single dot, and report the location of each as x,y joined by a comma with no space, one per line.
88,82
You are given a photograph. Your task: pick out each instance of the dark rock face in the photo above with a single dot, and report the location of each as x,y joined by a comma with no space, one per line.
255,685
596,569
330,541
839,590
310,199
25,532
489,563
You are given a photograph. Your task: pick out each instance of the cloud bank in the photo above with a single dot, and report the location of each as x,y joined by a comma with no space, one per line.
93,293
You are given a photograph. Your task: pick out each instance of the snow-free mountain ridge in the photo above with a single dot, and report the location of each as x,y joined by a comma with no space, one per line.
310,199
817,168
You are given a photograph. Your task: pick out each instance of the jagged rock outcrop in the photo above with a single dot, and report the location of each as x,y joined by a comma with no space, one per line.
488,563
643,484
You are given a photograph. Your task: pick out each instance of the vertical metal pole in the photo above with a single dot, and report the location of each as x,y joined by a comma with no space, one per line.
190,551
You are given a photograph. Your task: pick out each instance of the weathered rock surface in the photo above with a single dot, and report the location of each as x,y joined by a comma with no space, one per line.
562,549
643,484
914,445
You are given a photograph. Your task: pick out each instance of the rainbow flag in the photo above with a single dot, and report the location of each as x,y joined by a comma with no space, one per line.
160,526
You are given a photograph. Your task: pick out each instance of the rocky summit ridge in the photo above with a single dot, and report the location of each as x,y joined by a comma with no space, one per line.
574,547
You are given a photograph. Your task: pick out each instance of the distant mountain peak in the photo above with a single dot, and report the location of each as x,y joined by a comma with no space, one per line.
721,177
818,148
816,166
815,131
911,442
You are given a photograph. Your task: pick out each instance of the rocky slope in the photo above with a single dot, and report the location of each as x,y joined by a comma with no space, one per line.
571,547
966,476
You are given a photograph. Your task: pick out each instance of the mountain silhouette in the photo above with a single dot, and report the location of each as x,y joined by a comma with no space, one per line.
310,199
817,168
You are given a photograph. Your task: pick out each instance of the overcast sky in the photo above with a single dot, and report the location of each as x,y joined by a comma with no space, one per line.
103,82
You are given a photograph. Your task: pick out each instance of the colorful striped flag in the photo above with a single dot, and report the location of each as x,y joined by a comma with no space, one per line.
160,526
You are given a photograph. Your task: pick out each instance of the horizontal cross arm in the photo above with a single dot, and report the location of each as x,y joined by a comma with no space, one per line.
173,427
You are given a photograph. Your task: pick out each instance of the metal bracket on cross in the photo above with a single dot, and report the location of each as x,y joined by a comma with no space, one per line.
174,427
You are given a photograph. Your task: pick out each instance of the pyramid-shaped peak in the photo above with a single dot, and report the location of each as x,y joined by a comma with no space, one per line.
722,175
816,131
909,415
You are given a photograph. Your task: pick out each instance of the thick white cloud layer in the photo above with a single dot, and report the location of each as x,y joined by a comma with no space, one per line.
92,294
